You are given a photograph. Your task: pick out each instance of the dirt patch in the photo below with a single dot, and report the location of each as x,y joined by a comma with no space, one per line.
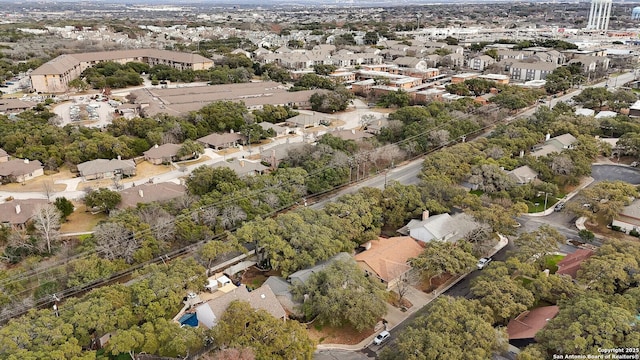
395,301
331,335
81,220
428,285
254,277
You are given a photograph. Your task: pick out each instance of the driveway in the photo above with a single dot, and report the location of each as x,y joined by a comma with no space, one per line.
615,172
339,355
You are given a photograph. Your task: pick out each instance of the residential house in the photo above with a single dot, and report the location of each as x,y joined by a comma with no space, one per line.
20,170
629,218
219,141
352,134
17,213
282,290
572,262
302,276
262,298
4,157
606,114
556,144
510,54
10,105
388,258
634,110
242,167
277,129
103,168
585,112
162,154
523,175
376,126
523,329
442,227
524,71
275,154
479,63
305,120
432,60
148,193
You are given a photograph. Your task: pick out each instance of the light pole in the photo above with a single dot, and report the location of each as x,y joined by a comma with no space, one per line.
546,194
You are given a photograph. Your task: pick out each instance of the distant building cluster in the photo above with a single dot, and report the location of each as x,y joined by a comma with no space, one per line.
55,75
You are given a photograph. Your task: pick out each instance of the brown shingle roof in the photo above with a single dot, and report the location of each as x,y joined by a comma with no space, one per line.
148,193
260,298
162,151
18,212
217,139
527,324
389,257
17,167
100,166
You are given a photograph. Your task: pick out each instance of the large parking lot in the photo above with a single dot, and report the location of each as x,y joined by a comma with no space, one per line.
85,111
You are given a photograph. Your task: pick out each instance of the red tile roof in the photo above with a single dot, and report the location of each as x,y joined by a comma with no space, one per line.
527,324
571,263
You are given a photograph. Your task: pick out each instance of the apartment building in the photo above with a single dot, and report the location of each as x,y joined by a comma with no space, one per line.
55,75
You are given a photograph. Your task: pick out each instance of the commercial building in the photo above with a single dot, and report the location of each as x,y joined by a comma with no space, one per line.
599,15
55,75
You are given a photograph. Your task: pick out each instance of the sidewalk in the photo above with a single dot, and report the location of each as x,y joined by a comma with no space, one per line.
583,184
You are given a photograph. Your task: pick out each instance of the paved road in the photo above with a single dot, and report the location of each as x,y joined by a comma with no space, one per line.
615,172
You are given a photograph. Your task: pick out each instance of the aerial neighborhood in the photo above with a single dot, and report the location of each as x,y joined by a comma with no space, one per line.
370,180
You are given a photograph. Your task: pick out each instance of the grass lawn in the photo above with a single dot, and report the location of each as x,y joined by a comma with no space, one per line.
551,261
533,208
525,280
476,192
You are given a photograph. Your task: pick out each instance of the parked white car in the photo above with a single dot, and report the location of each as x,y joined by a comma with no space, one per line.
382,337
482,263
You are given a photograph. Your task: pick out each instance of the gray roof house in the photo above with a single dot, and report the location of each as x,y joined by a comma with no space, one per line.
162,154
222,141
147,193
262,298
242,167
301,276
442,227
17,213
523,175
277,129
556,144
19,170
103,168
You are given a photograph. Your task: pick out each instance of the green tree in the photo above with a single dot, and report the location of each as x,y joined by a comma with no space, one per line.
270,338
613,269
190,149
440,257
593,97
210,251
498,290
324,70
587,324
607,198
330,102
453,328
538,243
398,98
206,179
102,199
341,295
64,206
554,288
